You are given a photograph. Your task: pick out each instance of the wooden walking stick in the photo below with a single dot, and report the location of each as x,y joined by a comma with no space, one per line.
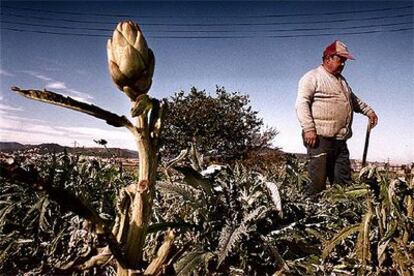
364,155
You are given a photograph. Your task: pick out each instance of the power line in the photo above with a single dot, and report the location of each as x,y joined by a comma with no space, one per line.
219,24
48,32
348,33
213,31
209,16
217,37
283,36
57,27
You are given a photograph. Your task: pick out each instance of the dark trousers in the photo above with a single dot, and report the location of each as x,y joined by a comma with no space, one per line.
329,159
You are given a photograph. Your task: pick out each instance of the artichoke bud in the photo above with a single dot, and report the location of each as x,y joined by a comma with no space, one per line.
130,61
142,104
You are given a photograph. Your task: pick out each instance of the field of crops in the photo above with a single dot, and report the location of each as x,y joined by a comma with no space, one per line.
214,219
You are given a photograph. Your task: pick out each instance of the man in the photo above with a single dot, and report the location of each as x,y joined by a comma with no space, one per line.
325,106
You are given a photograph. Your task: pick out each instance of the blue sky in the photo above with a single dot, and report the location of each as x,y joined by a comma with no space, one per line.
241,49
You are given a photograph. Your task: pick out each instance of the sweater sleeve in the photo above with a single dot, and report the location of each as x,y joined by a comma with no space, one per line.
359,106
306,91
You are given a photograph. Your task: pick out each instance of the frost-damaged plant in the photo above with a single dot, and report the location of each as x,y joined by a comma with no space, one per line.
36,233
384,239
131,64
228,212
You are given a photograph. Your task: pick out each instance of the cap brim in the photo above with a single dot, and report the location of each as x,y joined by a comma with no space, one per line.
347,56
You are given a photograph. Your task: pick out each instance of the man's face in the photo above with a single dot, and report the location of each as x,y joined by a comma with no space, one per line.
335,64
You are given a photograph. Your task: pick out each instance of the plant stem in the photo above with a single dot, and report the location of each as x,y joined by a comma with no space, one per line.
142,197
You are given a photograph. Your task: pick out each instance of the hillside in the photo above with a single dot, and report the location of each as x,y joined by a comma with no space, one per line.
51,148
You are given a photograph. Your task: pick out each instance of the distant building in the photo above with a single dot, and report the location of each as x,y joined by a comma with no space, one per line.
398,170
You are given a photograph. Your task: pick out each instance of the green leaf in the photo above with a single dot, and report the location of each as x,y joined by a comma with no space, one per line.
189,263
154,114
255,214
330,245
177,159
195,179
252,197
381,252
363,244
189,194
5,254
275,196
195,158
229,237
6,210
165,225
391,228
44,224
340,193
357,192
141,105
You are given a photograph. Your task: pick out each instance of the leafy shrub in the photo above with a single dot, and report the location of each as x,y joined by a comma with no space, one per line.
223,126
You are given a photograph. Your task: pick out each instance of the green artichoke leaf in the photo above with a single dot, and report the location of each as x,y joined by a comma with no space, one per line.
195,179
142,104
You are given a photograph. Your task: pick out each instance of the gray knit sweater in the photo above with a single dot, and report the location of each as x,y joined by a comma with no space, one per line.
325,103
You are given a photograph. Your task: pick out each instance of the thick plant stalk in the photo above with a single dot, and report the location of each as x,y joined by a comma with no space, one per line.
102,258
142,193
141,204
122,220
157,265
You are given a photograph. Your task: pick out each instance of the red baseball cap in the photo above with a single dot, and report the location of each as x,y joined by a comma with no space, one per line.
337,48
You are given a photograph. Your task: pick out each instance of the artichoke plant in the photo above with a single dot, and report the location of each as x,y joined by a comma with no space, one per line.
131,62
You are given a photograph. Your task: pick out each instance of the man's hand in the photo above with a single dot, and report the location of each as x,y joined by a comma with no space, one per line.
373,119
310,138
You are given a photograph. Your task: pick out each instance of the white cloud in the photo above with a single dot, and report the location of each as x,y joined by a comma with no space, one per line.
56,85
80,94
31,131
37,75
4,107
60,85
6,73
95,132
43,77
84,97
81,99
82,72
51,84
18,118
